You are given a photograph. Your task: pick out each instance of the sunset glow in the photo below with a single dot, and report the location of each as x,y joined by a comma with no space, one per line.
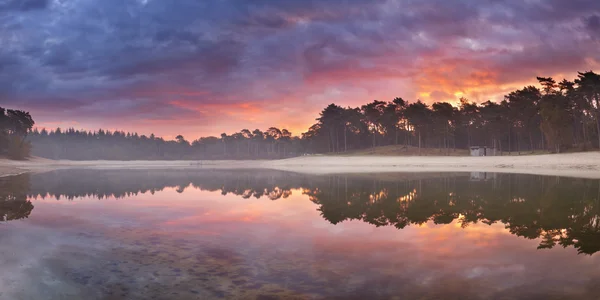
201,68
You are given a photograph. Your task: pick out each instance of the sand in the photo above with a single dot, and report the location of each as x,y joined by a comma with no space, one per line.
573,164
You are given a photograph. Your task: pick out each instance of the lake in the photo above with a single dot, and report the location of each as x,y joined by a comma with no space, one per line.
252,234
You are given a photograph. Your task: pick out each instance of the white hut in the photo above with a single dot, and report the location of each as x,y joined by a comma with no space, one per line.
483,151
482,176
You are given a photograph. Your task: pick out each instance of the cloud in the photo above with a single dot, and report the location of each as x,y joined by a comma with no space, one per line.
22,5
86,56
592,24
441,96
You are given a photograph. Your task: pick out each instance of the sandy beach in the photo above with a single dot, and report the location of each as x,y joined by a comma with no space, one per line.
572,164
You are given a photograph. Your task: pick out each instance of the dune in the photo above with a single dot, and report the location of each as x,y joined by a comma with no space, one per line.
586,164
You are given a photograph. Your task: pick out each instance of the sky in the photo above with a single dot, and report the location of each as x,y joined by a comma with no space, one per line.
202,68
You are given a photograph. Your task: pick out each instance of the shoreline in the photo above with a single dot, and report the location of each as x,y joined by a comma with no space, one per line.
583,164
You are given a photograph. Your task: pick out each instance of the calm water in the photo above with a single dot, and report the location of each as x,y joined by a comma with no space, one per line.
82,234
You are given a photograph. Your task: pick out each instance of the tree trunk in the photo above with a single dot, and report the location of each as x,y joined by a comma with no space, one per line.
530,141
585,135
345,139
22,141
446,141
454,142
331,141
374,136
469,136
419,143
446,146
598,126
509,139
519,143
499,147
575,130
337,140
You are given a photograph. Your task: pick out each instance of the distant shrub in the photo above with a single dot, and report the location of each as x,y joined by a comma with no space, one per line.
18,149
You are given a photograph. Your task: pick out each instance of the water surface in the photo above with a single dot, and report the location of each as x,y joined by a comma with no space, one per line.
248,234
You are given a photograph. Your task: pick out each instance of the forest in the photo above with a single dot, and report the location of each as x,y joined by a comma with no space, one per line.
554,117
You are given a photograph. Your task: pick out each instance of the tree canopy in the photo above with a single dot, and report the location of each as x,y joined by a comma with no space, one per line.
15,125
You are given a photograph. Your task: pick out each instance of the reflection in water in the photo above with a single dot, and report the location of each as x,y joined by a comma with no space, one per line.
14,204
122,183
204,235
560,211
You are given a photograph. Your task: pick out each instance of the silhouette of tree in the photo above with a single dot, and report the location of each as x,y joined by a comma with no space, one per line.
470,119
444,116
524,106
418,115
589,90
355,130
285,140
258,136
373,115
273,134
15,125
331,123
224,141
248,137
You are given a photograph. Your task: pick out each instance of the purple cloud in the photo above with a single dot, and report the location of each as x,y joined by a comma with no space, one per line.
80,58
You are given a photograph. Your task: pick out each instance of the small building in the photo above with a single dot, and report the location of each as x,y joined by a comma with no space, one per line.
483,151
482,176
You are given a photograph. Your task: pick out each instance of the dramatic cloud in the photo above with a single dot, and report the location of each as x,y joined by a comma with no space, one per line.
205,67
22,5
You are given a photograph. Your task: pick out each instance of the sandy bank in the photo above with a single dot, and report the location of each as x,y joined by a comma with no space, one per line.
572,164
8,171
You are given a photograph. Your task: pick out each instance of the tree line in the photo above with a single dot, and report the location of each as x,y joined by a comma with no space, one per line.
559,116
556,117
14,127
118,145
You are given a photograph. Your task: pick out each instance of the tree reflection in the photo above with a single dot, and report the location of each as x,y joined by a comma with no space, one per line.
74,184
13,198
558,211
